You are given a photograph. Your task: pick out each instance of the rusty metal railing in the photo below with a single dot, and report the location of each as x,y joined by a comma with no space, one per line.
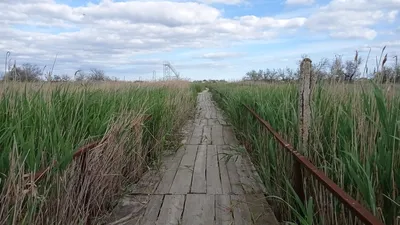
80,155
300,161
81,152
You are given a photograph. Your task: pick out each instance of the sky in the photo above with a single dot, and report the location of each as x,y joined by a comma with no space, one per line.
202,39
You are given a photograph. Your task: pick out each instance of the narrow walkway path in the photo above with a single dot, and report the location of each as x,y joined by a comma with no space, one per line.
197,185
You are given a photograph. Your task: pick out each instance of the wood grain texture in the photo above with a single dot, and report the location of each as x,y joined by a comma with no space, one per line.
199,173
199,209
213,177
198,185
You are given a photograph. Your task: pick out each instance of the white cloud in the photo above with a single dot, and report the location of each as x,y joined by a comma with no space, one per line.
353,18
363,4
117,34
344,19
202,65
130,27
299,2
392,15
356,32
271,22
112,33
389,44
166,13
220,55
226,2
24,1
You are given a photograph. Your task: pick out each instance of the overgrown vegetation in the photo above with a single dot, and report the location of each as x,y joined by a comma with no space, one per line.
354,140
354,136
43,124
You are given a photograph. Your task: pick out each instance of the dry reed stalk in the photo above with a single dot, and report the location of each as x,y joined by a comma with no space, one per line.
86,187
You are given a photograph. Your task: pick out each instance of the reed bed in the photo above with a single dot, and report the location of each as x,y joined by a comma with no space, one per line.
354,139
43,124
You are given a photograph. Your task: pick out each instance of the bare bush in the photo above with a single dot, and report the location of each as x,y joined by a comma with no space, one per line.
80,75
26,72
253,75
337,69
65,78
97,75
270,75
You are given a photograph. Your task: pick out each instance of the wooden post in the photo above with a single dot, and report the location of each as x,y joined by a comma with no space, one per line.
306,84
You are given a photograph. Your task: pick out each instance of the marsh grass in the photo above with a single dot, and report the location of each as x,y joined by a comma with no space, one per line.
354,139
45,123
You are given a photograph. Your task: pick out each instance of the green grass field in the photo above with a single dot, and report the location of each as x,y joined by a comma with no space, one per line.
43,123
354,139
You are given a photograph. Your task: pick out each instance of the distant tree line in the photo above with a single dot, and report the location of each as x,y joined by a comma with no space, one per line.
33,73
93,75
209,81
336,69
270,75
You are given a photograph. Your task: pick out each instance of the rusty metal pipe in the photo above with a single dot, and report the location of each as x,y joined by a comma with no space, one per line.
361,212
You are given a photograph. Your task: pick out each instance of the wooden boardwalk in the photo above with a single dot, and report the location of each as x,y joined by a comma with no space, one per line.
197,185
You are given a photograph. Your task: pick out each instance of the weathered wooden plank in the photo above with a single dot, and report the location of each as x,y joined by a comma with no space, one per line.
171,210
165,184
222,121
197,135
203,122
241,212
208,111
213,177
203,113
214,113
244,176
183,177
216,135
223,210
220,118
206,137
148,183
261,212
199,210
152,210
257,184
222,157
229,136
197,121
212,122
129,210
199,173
232,172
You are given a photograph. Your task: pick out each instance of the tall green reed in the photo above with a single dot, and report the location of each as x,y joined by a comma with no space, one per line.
39,124
354,137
